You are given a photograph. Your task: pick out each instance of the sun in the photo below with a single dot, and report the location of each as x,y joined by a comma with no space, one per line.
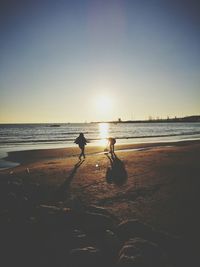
103,103
103,106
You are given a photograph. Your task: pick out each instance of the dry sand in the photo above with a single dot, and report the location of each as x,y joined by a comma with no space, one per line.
162,186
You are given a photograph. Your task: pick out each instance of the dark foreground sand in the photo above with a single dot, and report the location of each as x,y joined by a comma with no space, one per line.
158,185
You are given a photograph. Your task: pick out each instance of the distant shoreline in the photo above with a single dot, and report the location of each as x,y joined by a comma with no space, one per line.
187,119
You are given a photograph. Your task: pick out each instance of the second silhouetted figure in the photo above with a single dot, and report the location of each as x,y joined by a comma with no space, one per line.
111,142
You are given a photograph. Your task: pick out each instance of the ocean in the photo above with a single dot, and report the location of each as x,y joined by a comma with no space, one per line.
15,137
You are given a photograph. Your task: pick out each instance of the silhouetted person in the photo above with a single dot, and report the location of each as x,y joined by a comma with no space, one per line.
81,141
111,142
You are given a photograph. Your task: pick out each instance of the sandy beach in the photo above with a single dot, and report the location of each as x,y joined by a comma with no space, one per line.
157,184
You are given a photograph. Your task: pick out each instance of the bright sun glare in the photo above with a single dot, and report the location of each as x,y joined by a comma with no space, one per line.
103,104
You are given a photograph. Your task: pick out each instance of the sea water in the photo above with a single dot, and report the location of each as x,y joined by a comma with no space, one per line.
15,137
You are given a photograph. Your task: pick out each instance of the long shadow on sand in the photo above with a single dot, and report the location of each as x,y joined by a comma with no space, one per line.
65,187
116,172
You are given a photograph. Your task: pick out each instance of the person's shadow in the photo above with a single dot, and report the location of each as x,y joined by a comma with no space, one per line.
116,172
63,190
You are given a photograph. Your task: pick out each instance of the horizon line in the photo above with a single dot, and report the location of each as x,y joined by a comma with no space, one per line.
157,118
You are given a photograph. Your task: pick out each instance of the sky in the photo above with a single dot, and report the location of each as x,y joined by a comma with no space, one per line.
81,60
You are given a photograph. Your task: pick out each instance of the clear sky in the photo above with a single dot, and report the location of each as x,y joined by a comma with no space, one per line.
77,61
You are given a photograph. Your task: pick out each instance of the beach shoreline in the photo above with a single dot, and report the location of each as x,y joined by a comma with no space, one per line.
159,186
144,163
32,155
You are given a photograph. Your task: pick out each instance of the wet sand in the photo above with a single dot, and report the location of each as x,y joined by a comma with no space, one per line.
158,184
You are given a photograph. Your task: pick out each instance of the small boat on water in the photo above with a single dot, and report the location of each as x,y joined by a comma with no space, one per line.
54,125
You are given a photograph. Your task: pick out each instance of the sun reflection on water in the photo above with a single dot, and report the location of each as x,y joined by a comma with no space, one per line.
103,133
